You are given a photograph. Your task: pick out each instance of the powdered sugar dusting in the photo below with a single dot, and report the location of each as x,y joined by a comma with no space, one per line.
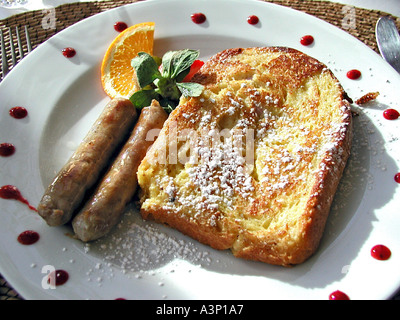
291,143
218,169
138,246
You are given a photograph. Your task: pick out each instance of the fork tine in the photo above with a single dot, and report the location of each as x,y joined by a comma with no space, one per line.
12,47
28,39
4,62
14,60
19,41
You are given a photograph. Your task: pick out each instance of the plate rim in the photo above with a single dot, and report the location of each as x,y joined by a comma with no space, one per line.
147,3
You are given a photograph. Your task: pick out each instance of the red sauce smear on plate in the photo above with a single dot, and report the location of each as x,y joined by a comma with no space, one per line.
120,26
354,74
381,252
307,40
10,192
18,112
198,18
7,149
253,19
390,114
28,237
338,295
69,52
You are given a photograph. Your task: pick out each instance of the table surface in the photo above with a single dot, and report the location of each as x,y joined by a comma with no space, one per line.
389,6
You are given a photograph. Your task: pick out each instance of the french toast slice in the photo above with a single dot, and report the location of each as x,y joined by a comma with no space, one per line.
252,164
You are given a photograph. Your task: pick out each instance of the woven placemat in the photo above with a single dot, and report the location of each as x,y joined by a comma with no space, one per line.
356,21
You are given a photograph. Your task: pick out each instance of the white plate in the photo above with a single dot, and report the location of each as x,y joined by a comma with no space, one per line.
142,260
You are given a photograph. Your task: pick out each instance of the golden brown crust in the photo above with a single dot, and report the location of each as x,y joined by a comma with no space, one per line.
312,221
273,209
367,98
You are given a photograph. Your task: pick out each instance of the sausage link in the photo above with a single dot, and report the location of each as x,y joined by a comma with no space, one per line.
63,196
105,208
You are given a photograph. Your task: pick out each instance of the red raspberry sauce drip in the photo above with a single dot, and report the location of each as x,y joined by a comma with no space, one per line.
68,52
338,295
354,74
253,19
61,277
10,192
391,114
307,40
120,26
18,112
28,237
198,18
381,252
6,149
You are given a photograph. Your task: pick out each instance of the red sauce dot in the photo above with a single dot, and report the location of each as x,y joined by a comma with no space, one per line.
338,295
58,277
68,52
28,237
307,40
354,74
381,252
391,114
253,19
6,149
397,177
18,112
198,18
120,26
10,192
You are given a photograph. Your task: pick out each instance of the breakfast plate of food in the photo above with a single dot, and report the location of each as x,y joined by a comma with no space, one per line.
155,153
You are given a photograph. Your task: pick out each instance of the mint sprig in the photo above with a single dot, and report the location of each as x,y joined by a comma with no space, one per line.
165,86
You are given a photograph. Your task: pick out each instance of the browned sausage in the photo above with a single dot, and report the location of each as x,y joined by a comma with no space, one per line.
105,208
83,169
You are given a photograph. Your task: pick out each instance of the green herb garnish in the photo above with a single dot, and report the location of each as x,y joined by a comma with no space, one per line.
165,86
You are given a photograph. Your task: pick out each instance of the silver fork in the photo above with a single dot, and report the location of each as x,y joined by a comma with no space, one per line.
16,55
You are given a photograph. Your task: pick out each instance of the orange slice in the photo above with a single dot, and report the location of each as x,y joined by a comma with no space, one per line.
118,77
